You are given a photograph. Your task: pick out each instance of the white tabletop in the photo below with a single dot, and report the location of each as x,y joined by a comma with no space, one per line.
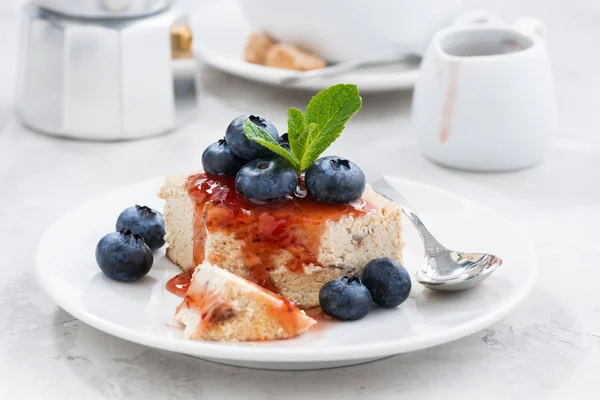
549,348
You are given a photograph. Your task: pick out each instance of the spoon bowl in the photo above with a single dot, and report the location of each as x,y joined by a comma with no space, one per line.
454,271
442,269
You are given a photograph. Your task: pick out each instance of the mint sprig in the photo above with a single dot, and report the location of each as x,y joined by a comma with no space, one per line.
260,136
329,110
312,132
296,128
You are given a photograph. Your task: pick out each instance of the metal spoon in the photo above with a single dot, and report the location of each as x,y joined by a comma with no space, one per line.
346,66
442,269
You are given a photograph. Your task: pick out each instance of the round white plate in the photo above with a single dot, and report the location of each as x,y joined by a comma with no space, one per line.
220,34
142,312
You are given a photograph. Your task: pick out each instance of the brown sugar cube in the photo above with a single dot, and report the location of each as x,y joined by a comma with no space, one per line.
257,47
286,56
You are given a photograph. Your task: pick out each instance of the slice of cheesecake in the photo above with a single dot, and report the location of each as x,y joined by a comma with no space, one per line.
222,306
292,247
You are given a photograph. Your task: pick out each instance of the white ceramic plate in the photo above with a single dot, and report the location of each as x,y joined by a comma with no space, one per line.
142,312
220,34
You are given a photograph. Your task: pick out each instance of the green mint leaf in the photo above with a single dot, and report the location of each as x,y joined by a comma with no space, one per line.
310,136
260,136
329,110
296,127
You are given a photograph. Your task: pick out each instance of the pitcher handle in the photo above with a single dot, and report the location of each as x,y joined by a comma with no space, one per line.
530,27
478,16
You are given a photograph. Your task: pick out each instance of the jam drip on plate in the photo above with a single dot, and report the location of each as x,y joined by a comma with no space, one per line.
286,229
179,284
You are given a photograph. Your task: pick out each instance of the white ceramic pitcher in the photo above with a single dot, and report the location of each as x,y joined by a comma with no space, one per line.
485,98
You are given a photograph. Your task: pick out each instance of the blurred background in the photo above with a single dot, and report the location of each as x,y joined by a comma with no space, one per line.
93,167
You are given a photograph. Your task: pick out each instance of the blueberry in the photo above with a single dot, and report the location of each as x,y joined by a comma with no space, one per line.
244,147
284,139
266,179
335,180
124,256
218,159
284,142
146,222
388,281
345,298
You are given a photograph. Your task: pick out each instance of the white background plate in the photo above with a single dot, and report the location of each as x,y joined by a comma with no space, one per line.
142,312
220,34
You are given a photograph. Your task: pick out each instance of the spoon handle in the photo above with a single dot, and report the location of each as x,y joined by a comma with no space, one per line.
429,241
347,66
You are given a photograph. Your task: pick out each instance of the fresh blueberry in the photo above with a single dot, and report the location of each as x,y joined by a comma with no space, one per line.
284,142
244,147
284,139
124,256
146,222
266,179
335,180
218,159
345,298
388,281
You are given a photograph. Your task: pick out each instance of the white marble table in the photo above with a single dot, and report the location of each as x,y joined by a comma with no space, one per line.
549,348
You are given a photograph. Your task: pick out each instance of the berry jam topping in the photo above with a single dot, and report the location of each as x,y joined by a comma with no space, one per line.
291,223
179,284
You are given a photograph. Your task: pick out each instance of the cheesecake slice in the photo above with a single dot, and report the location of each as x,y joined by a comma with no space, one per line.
221,306
292,246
